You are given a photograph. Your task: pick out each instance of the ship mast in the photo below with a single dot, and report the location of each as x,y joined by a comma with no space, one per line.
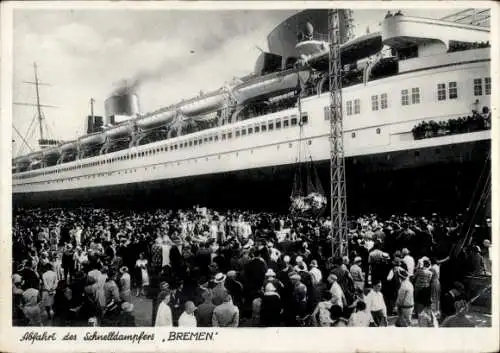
39,113
39,108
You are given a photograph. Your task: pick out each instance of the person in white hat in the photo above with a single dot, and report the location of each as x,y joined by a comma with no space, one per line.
409,261
219,292
357,273
316,274
271,278
300,264
338,297
126,318
271,307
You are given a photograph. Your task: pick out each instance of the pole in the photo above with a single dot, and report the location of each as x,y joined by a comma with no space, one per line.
39,108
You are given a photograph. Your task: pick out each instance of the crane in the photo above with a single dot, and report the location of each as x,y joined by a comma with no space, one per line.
339,28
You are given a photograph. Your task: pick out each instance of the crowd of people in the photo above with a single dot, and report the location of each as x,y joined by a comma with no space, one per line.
202,267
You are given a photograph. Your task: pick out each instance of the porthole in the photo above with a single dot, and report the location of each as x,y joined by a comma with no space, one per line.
378,131
309,142
353,135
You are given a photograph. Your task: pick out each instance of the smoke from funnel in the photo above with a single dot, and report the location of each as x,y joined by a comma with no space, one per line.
166,68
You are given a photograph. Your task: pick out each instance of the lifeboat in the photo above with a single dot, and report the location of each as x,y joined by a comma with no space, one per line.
52,152
204,104
155,120
314,46
93,139
68,146
269,85
120,131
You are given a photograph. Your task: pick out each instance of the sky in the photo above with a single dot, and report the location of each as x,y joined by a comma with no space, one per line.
84,53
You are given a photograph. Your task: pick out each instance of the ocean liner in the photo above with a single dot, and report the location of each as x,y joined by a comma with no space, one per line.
416,106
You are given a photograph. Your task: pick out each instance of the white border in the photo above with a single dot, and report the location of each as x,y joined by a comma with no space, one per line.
243,340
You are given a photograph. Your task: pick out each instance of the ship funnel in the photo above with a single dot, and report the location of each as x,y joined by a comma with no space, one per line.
121,107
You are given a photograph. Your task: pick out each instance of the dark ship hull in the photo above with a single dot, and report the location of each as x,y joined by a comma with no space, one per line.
426,180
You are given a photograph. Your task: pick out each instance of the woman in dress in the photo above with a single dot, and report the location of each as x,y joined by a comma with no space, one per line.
142,265
436,285
49,286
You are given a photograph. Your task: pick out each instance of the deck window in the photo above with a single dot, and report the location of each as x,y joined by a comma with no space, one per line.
487,86
293,120
286,123
257,129
278,124
348,107
357,106
229,135
195,142
441,89
263,128
250,130
478,87
404,97
452,90
415,95
383,101
243,132
237,134
304,119
375,102
223,136
216,138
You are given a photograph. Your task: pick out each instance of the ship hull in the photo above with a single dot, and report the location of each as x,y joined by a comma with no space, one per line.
424,180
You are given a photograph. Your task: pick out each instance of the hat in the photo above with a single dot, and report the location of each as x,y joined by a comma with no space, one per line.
219,278
30,296
286,259
294,275
333,276
270,287
385,256
299,259
231,273
124,269
16,278
314,263
300,267
357,259
405,251
164,286
127,307
270,273
403,273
